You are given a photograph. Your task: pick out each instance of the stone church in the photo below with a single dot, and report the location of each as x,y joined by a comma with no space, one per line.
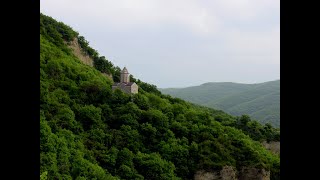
125,85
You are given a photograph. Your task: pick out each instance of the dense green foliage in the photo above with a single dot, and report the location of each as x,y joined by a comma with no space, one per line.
260,101
252,128
87,131
56,32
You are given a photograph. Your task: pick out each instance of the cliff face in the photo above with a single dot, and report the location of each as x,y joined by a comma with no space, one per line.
204,175
77,51
85,59
254,174
229,173
273,146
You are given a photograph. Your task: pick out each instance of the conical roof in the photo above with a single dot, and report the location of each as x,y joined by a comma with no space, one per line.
124,70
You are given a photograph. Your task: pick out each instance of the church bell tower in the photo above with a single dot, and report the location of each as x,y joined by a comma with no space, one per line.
124,76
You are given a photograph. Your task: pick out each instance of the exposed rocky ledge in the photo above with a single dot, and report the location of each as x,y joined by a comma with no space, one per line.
77,51
273,146
230,173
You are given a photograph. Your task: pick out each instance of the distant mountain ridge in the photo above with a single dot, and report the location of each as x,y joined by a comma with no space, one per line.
261,101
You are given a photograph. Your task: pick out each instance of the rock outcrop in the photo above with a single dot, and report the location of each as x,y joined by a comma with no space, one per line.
273,146
86,59
247,173
230,173
204,175
77,51
226,173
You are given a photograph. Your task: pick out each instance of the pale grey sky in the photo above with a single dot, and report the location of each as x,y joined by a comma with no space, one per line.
179,43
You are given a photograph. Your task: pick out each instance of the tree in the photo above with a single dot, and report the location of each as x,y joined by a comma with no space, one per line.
153,167
244,119
156,118
88,115
103,65
141,101
88,131
43,176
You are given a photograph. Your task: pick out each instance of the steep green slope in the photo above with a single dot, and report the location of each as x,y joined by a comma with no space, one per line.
200,94
87,131
260,101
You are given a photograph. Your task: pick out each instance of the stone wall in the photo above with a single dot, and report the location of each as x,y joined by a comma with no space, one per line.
134,88
127,89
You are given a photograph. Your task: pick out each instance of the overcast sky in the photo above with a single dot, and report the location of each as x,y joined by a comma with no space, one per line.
180,43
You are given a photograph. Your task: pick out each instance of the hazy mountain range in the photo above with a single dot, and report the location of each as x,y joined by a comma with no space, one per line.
261,101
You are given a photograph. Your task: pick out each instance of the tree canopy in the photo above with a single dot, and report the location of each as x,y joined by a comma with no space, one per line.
88,131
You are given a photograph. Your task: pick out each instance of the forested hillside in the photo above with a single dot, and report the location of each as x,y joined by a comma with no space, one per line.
87,131
259,101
